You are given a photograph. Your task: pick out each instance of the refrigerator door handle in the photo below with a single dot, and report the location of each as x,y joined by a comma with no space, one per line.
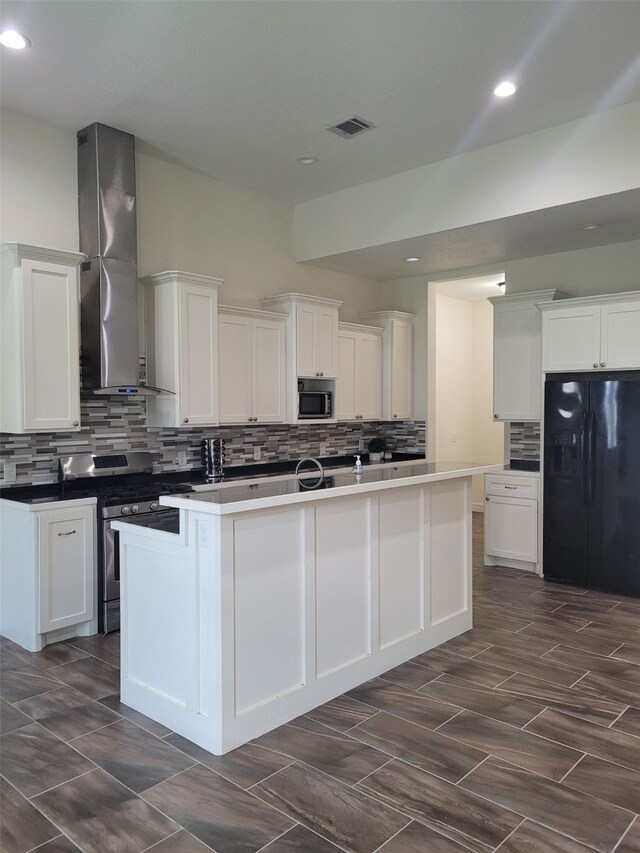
591,457
584,437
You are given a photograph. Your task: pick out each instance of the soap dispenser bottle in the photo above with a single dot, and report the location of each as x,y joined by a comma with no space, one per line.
357,468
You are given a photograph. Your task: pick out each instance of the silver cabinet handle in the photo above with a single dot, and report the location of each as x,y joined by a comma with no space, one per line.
486,499
75,423
68,533
511,487
496,416
322,373
602,364
395,416
596,364
186,420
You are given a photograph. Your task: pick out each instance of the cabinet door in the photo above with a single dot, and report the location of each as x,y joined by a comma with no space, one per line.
51,346
511,528
368,386
620,335
198,389
571,339
346,384
516,363
306,334
401,370
268,371
66,567
235,369
327,342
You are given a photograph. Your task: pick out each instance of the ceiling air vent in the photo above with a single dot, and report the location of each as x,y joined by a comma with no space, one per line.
353,126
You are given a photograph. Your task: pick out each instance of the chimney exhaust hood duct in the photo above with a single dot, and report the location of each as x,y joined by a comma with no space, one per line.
109,278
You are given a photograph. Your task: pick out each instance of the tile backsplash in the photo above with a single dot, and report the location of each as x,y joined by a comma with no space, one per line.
113,424
524,440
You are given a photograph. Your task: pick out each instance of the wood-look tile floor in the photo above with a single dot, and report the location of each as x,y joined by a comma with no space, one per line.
522,735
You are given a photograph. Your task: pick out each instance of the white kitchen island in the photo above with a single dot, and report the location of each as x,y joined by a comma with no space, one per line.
273,599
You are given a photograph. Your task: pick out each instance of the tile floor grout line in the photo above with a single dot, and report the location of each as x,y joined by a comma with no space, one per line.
167,837
507,837
621,714
395,834
560,781
59,785
625,833
479,764
457,714
273,840
360,781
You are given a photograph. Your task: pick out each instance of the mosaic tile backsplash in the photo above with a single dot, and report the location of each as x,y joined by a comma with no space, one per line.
524,440
114,424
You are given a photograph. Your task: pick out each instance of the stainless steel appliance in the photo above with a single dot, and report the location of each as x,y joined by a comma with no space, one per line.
125,487
592,480
315,404
212,455
109,278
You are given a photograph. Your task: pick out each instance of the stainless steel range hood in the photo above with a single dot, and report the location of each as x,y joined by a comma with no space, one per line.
109,278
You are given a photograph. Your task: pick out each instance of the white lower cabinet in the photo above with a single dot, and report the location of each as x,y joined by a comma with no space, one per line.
511,524
252,366
359,373
47,572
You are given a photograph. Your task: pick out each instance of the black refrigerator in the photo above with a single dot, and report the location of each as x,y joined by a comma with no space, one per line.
591,534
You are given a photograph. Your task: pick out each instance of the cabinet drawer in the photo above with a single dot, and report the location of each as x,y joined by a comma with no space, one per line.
508,486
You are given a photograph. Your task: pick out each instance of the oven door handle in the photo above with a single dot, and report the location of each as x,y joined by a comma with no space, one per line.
116,558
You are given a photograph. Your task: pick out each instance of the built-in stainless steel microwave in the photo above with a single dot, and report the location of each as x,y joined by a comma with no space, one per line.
315,404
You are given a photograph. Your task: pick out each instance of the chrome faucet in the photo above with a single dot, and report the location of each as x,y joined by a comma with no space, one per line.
315,462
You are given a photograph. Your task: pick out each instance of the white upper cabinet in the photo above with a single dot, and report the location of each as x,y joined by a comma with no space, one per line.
311,341
40,339
252,366
592,333
181,315
359,394
397,362
516,355
316,340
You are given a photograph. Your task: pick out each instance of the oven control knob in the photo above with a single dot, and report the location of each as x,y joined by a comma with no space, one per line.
153,505
135,508
125,510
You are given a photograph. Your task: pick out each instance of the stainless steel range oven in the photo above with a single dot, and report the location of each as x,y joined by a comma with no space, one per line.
125,488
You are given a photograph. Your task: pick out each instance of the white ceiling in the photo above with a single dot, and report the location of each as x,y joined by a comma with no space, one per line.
238,89
474,289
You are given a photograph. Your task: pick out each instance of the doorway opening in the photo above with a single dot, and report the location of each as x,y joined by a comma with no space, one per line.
461,424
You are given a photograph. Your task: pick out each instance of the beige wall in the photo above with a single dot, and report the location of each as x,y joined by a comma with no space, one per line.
454,379
186,220
464,425
586,272
38,183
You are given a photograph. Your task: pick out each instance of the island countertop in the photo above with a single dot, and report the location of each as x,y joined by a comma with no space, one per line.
247,498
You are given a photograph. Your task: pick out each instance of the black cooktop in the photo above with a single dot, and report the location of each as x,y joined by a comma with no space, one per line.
108,493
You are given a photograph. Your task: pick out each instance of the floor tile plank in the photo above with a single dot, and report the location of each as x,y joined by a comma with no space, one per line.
217,812
584,818
338,813
408,704
446,808
607,781
500,706
95,807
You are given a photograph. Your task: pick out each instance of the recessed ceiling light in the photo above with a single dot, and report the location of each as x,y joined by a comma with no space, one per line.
12,39
306,160
412,260
591,226
505,89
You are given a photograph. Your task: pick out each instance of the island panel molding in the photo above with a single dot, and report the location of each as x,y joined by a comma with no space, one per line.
273,600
